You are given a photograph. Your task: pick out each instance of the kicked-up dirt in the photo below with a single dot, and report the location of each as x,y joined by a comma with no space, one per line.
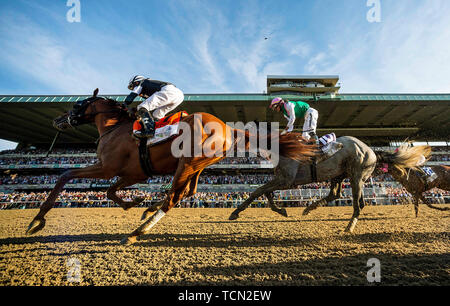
199,246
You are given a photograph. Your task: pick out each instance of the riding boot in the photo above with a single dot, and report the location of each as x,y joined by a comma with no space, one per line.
316,139
148,124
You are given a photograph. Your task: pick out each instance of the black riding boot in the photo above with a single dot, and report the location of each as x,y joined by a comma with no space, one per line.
148,124
315,137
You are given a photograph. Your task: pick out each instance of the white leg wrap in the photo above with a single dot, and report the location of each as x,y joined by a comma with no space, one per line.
153,220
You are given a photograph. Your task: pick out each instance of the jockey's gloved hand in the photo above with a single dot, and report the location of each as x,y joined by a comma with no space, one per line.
124,105
130,110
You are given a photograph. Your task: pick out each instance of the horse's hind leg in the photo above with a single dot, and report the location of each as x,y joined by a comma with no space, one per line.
121,183
94,171
273,206
335,193
357,185
276,184
192,190
180,188
416,205
427,202
152,208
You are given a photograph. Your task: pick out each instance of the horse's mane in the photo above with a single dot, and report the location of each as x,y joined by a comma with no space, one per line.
405,157
123,111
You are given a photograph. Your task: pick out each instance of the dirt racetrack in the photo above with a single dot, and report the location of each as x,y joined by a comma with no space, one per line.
201,247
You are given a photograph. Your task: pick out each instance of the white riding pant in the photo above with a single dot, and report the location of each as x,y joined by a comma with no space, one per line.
163,101
310,124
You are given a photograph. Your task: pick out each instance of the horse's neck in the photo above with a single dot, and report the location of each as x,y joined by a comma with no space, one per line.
107,121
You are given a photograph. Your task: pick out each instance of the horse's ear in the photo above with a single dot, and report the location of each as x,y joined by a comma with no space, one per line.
95,93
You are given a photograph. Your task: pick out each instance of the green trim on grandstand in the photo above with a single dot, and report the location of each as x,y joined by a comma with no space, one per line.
374,118
235,97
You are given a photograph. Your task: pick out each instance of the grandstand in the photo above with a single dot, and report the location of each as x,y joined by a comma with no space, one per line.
27,174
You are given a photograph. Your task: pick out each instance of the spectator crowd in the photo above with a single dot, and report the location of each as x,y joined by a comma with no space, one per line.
304,195
91,198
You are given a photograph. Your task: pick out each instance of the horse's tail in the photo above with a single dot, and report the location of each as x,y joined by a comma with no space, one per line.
291,145
294,146
404,157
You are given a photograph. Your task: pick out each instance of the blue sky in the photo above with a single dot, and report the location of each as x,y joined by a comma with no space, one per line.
220,47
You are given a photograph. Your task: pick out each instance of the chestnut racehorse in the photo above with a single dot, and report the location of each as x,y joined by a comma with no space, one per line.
118,155
411,178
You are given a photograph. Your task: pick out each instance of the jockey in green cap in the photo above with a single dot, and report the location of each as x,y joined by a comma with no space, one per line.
297,109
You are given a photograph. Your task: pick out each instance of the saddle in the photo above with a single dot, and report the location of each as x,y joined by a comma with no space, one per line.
165,129
325,143
426,175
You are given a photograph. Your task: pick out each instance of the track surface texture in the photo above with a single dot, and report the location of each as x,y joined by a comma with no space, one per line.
201,247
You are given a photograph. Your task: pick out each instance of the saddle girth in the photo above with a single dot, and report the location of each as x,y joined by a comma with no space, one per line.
313,167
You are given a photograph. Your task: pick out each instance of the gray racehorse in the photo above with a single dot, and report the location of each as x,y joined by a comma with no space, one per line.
355,160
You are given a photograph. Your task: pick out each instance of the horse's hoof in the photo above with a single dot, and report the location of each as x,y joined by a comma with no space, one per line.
351,226
145,215
138,200
283,212
35,226
305,211
128,240
233,217
154,207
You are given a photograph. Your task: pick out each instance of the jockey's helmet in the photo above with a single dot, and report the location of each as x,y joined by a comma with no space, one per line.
275,102
134,80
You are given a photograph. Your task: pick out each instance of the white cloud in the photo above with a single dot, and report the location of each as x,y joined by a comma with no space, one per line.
409,51
206,50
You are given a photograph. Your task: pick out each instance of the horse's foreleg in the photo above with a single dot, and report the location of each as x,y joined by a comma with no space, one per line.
121,183
273,206
94,171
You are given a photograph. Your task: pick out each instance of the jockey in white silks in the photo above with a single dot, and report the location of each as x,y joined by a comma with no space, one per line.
160,98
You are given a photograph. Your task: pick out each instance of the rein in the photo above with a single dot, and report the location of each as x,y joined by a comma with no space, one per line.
107,132
94,113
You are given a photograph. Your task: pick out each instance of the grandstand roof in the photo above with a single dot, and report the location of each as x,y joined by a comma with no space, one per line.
28,119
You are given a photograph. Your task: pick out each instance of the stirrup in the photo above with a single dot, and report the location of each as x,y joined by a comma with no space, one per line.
143,134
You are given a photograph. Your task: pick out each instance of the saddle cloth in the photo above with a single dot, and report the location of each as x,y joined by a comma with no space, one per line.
165,128
326,139
431,175
326,142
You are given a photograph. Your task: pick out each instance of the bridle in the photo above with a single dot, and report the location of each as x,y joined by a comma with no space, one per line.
78,115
